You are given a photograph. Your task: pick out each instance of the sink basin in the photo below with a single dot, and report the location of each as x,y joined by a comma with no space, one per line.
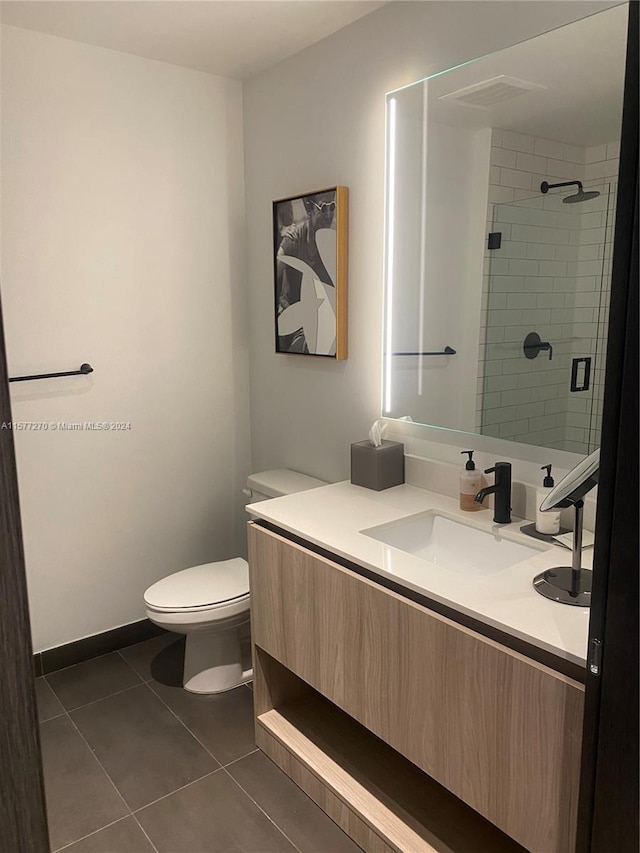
451,544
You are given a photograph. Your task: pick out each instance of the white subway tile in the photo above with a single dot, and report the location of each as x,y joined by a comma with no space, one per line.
538,284
555,407
518,396
534,316
530,163
500,195
492,368
550,300
595,153
503,157
513,178
545,392
496,300
592,252
613,150
529,410
573,153
519,195
491,400
553,268
524,267
565,253
521,300
517,141
542,251
528,233
514,428
507,283
496,416
549,148
511,249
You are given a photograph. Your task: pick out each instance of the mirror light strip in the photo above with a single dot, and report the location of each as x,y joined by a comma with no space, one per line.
423,239
390,207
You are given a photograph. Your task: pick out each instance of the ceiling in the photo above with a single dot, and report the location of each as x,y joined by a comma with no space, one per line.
232,38
579,69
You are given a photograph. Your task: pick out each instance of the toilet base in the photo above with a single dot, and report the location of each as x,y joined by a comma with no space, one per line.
213,662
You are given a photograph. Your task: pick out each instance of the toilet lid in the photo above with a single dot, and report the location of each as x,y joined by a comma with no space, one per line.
200,586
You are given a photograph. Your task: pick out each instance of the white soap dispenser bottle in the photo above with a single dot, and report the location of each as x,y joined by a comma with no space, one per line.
470,485
546,522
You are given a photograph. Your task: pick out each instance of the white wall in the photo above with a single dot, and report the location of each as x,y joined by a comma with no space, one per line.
123,245
316,120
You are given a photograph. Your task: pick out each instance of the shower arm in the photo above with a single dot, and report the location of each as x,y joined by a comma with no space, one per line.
545,186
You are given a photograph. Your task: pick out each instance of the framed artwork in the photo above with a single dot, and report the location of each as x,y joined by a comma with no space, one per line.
310,273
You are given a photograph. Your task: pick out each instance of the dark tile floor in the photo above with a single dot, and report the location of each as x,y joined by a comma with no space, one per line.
134,764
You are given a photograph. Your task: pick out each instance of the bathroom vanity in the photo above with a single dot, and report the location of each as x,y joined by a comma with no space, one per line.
385,684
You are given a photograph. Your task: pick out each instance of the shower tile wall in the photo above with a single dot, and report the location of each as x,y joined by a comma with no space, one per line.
601,165
543,279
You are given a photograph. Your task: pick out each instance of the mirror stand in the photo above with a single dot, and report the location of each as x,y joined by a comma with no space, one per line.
568,585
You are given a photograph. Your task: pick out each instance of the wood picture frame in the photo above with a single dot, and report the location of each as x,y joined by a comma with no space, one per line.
310,234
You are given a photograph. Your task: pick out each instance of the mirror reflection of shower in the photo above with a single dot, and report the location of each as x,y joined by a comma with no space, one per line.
549,282
581,195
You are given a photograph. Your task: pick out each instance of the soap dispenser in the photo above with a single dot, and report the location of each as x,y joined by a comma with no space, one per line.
470,485
546,522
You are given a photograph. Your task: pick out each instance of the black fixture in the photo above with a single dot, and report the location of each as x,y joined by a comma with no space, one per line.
445,351
581,195
495,240
575,366
534,345
502,491
84,369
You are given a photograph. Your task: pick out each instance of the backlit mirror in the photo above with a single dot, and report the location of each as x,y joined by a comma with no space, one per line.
496,280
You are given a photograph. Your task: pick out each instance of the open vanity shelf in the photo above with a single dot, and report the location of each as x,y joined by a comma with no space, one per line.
380,799
413,733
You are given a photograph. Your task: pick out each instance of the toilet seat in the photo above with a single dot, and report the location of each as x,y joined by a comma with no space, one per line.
201,588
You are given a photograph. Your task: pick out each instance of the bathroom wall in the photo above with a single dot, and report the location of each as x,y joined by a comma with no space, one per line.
318,119
123,246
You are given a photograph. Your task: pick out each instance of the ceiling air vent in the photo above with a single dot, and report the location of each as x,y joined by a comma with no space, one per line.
490,92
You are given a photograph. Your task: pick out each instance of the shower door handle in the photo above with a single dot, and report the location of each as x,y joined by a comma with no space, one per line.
575,366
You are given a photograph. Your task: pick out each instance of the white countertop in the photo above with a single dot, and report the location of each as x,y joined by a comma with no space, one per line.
333,516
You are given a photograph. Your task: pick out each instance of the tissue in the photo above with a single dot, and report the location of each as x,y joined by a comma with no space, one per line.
376,433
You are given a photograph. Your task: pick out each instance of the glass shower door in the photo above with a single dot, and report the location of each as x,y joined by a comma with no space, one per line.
544,326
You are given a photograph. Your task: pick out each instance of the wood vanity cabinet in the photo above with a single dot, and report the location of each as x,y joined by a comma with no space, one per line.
378,707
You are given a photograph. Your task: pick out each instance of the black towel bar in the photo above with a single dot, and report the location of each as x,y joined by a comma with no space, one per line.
446,351
84,369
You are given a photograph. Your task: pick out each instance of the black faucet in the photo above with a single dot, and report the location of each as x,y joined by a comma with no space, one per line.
501,489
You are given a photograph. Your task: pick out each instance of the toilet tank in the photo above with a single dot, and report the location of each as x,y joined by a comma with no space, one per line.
278,482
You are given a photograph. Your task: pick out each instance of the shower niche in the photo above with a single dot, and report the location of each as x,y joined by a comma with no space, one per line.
501,185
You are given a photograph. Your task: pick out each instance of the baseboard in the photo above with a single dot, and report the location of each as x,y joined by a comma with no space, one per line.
94,646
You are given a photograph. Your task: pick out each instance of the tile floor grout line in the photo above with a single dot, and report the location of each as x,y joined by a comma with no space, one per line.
144,832
182,723
102,698
95,831
246,755
181,788
258,806
103,768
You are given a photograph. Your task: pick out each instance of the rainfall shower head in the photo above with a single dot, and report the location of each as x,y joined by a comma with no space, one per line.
581,195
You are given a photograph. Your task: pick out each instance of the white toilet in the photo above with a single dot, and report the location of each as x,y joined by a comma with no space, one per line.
210,603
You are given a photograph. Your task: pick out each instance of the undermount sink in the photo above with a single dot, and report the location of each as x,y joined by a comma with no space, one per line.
452,544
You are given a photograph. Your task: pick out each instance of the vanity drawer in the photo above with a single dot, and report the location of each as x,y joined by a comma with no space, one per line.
501,732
